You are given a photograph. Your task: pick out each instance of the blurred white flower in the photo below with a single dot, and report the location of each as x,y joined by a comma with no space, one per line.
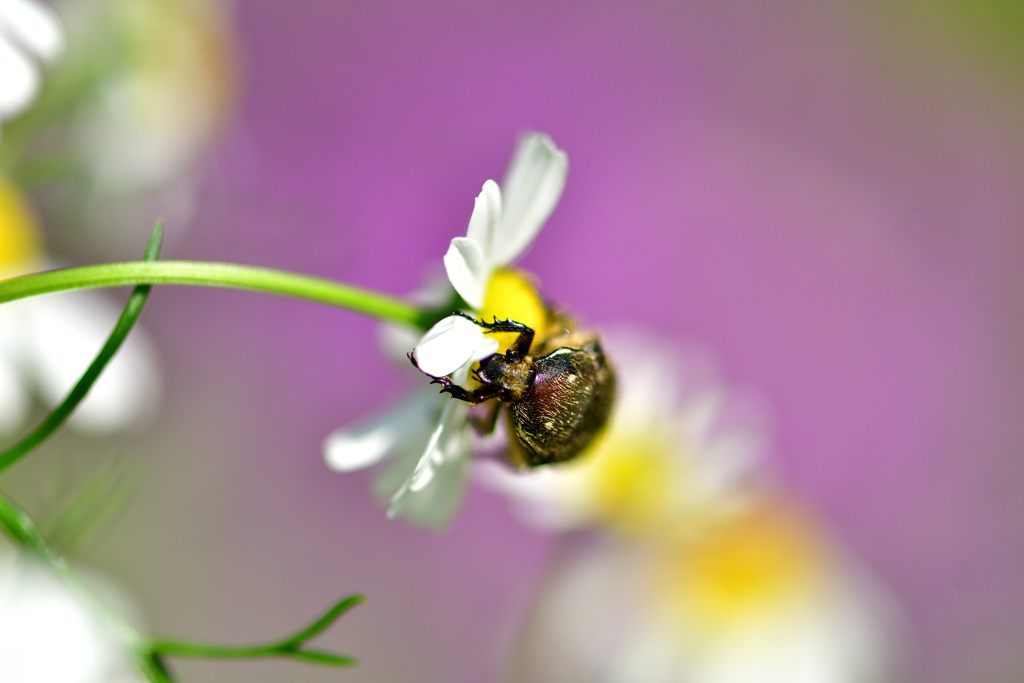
697,569
146,88
167,94
30,36
428,435
679,449
763,597
50,634
47,342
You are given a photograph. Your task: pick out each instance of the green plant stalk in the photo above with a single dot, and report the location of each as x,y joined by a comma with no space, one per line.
225,275
62,412
289,648
18,524
60,415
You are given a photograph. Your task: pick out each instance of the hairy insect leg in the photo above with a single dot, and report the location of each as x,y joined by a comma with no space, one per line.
486,422
484,393
521,346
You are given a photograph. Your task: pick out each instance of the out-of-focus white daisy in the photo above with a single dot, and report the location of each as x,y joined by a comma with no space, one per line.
144,91
167,93
429,433
30,36
47,342
679,449
761,597
49,633
697,569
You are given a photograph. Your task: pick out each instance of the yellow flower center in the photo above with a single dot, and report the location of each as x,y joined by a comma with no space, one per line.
754,565
512,296
632,480
20,245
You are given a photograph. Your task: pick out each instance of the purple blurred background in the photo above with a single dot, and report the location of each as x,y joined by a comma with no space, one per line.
802,187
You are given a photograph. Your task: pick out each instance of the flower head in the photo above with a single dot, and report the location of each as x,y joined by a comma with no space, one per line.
47,342
698,568
428,436
759,597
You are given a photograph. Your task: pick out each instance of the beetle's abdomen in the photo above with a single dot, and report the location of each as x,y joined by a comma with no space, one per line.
571,398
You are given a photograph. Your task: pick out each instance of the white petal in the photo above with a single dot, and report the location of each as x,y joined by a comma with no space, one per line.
541,498
19,81
64,334
349,449
34,26
532,187
434,480
14,401
486,218
701,413
423,471
468,270
434,506
40,615
452,343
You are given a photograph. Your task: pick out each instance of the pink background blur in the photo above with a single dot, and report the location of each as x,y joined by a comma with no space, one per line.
827,197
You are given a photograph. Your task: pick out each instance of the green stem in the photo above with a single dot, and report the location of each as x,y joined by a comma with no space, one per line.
182,649
62,412
227,275
291,647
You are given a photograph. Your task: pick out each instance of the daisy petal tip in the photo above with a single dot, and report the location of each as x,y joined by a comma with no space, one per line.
532,187
468,269
448,345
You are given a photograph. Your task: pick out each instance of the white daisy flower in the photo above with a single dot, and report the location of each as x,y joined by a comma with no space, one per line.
679,448
702,572
762,597
30,36
157,109
504,223
47,342
428,435
49,634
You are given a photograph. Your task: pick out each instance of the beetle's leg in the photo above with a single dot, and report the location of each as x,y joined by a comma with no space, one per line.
521,346
485,423
484,393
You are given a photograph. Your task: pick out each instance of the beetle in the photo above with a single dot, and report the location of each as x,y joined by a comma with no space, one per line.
558,397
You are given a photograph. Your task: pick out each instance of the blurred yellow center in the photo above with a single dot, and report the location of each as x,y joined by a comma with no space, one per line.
510,295
19,240
758,563
632,480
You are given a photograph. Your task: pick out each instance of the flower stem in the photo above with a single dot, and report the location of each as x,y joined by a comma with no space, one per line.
288,648
62,412
227,275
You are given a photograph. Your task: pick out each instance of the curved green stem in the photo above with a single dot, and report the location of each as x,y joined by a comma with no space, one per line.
117,336
289,648
227,275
